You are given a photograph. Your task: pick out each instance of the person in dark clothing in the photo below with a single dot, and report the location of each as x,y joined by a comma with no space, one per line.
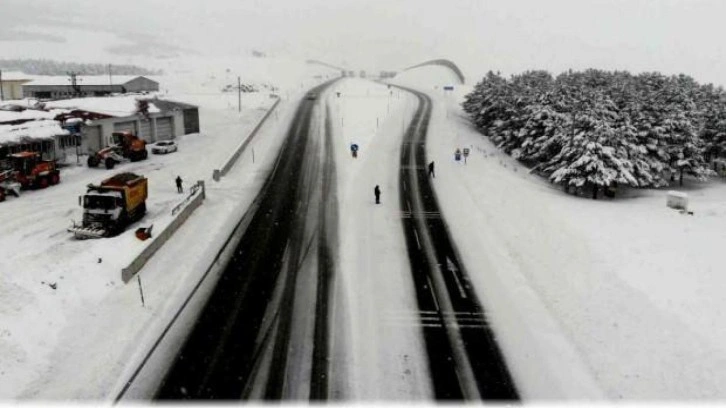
431,170
179,188
377,192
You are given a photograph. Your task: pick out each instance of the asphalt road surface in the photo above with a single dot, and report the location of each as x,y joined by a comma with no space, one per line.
256,337
464,360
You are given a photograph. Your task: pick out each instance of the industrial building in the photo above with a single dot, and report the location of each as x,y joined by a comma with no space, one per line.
11,85
62,87
100,117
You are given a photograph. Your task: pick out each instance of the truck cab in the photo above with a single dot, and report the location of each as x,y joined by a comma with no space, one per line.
101,208
33,172
111,206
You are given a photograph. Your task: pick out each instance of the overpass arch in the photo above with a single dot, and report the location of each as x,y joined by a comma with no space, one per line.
443,63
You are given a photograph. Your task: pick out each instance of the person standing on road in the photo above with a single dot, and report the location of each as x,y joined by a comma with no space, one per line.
179,188
431,170
377,192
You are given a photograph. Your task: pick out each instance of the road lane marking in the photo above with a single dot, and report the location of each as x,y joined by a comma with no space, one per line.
454,271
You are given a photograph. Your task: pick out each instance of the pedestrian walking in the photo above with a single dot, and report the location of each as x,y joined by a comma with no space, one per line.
377,192
179,188
431,170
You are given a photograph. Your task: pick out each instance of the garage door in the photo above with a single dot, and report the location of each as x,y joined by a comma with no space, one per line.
164,128
92,138
145,131
125,126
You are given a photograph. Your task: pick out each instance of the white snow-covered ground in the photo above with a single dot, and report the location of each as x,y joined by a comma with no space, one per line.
591,300
613,299
375,277
76,340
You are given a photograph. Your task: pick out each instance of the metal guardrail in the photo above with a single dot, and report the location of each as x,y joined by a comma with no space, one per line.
185,209
219,173
192,192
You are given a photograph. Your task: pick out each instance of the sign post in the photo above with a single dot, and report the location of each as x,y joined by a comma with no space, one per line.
466,154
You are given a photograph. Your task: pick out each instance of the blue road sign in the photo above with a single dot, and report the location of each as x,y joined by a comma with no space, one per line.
354,147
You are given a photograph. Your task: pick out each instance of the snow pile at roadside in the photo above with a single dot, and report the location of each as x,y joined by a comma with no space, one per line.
34,129
622,296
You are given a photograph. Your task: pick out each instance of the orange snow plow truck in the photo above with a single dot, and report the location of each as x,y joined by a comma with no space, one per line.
126,146
110,207
27,170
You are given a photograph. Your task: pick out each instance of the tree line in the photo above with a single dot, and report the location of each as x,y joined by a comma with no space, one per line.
51,67
599,129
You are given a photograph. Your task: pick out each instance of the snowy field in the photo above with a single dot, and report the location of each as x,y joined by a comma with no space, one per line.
620,299
76,340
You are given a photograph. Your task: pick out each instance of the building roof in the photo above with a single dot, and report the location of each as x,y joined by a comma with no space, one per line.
33,130
84,80
117,106
28,114
16,76
167,105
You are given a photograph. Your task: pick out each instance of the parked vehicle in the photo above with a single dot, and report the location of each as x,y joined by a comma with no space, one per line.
27,170
126,146
164,147
110,207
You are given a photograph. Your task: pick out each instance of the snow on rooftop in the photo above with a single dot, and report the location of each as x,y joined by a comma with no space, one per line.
16,76
117,106
83,80
36,129
10,116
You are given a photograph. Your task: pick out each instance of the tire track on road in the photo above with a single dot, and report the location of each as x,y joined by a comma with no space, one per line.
464,358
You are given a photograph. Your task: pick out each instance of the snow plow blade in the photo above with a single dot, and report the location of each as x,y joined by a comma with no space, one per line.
83,233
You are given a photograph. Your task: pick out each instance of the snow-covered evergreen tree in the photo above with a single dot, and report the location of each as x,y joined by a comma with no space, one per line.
601,128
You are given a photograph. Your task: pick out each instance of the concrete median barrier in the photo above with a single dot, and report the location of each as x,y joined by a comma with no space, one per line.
181,213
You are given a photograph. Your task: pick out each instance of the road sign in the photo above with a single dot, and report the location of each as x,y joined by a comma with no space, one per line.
466,152
448,88
354,147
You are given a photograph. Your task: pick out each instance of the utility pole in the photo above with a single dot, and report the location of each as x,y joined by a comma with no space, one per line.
110,78
239,94
74,82
2,95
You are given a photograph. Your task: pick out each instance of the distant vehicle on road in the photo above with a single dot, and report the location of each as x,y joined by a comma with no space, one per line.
312,96
164,147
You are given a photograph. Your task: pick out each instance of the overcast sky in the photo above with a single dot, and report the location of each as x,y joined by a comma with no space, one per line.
511,36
